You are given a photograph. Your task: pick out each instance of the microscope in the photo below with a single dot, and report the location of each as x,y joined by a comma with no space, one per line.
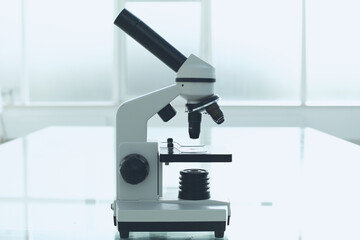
140,205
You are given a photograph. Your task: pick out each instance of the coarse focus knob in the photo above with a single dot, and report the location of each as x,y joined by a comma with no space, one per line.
134,168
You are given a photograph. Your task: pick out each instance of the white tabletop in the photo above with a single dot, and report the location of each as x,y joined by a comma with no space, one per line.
283,183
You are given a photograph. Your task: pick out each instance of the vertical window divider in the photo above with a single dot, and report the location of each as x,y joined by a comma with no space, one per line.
206,50
205,31
119,58
303,86
24,86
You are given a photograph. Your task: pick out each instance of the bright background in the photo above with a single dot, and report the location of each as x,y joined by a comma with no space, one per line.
279,63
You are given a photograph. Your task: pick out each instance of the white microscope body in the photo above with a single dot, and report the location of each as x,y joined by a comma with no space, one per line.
140,204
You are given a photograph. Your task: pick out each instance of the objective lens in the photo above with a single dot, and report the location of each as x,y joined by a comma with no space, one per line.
216,114
194,119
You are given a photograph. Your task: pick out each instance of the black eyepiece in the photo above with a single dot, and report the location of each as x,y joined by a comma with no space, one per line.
194,119
216,114
150,40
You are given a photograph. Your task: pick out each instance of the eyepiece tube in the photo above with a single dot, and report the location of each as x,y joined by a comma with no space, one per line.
150,40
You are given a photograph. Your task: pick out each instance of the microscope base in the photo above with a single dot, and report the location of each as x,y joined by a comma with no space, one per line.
126,227
171,216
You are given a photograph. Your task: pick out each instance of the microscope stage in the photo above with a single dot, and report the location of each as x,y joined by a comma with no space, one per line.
194,154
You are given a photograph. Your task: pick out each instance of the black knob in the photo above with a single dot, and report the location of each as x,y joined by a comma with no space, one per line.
134,168
170,143
167,113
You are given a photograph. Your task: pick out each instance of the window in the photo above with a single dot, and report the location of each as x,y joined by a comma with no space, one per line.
69,50
257,50
297,54
333,52
10,50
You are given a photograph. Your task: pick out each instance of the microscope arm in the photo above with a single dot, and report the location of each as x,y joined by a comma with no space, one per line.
132,116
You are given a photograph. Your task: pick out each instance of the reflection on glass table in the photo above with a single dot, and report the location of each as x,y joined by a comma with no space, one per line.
283,183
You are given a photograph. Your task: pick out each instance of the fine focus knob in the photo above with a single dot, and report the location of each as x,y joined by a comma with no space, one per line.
134,168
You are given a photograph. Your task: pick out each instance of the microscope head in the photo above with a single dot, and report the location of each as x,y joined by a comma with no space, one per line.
197,79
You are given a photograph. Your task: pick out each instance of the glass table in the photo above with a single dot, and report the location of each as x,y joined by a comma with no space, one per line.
283,183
